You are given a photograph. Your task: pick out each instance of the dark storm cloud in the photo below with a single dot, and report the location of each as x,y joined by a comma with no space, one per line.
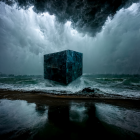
25,36
87,16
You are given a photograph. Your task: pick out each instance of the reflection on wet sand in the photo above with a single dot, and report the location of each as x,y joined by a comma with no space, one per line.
73,120
85,121
41,109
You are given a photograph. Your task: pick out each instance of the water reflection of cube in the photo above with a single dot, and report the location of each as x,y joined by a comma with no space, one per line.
64,66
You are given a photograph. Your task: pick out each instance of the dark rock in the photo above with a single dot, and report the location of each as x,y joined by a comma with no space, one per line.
64,66
88,89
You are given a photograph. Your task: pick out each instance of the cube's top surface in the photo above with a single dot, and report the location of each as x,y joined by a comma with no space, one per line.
63,52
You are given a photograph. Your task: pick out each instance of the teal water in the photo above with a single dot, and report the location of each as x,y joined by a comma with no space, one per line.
124,85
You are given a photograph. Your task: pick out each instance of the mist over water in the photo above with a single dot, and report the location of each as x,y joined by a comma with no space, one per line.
26,36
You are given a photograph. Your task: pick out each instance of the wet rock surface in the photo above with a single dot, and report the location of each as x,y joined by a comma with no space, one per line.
88,89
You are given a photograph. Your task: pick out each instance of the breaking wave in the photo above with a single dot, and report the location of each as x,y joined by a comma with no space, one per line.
109,86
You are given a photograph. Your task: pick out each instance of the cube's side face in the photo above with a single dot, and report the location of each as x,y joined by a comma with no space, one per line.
74,65
55,67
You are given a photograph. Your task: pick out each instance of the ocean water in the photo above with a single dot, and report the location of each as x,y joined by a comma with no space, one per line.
120,86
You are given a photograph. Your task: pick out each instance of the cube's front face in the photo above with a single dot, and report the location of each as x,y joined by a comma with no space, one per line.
55,67
63,67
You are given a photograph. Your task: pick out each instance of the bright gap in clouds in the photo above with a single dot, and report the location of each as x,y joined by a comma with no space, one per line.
26,36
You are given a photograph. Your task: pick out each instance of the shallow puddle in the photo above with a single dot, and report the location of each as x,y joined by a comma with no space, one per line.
76,120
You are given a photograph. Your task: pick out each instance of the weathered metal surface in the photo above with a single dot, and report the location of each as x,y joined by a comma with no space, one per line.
64,66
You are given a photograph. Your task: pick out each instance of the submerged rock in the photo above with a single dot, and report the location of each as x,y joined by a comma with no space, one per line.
64,66
88,89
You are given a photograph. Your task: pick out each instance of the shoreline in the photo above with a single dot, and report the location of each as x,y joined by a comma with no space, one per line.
63,99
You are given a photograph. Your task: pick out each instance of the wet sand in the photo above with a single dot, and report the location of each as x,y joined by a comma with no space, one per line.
53,99
60,124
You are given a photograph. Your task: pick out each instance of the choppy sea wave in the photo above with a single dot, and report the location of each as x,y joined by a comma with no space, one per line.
122,86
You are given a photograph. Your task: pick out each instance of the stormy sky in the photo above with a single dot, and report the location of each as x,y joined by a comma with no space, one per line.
107,32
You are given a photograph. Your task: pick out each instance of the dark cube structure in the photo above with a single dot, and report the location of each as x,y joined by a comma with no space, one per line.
64,66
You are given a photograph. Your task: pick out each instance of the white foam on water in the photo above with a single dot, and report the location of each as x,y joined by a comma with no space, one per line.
123,92
46,85
111,88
